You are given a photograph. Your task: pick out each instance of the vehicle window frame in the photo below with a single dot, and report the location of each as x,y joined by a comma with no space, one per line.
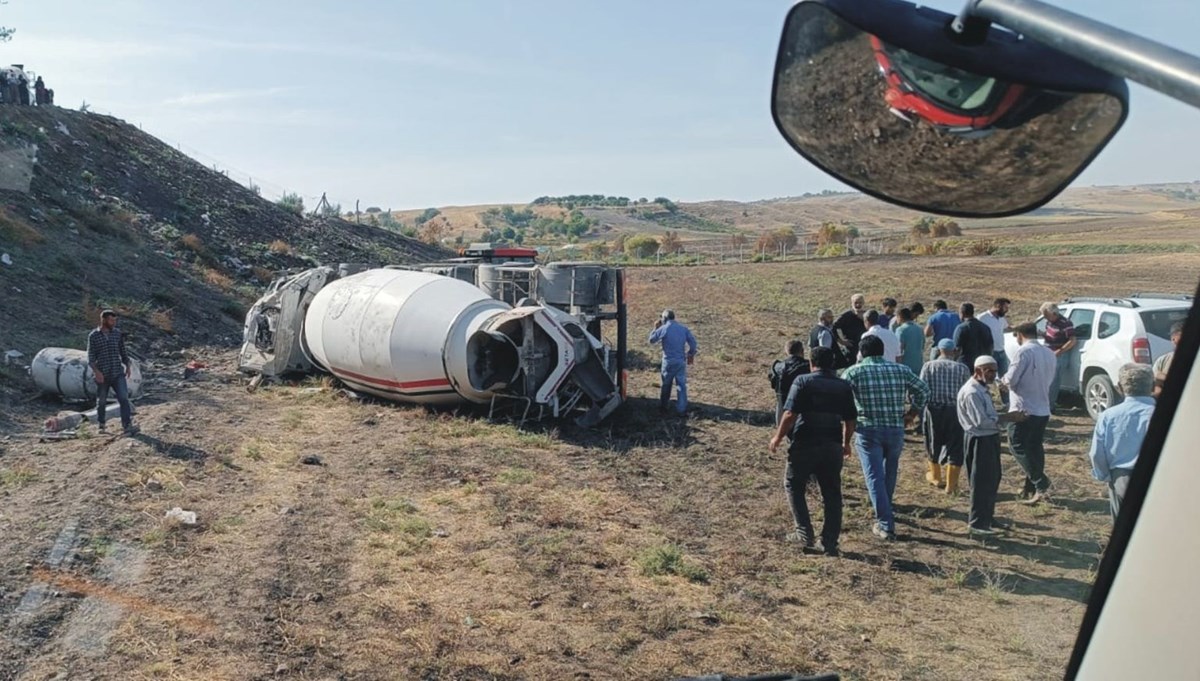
1088,327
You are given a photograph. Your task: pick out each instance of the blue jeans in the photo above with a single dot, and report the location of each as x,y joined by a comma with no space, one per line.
1062,374
673,372
879,450
121,389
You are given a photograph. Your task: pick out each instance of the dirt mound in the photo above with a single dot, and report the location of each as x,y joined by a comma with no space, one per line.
94,212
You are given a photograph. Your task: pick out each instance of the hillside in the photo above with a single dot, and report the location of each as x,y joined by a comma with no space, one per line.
95,213
608,217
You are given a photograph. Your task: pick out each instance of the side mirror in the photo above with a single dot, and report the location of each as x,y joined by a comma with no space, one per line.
885,97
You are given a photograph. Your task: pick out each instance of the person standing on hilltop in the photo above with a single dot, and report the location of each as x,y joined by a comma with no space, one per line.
111,367
679,349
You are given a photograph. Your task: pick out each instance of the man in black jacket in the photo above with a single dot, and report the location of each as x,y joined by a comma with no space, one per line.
820,414
785,371
972,338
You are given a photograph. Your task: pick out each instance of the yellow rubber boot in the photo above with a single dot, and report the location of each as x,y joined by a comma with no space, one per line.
934,474
952,474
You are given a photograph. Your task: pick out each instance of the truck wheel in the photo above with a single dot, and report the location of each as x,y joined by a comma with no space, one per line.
1099,394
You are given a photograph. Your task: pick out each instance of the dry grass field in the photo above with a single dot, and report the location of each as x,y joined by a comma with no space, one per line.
426,545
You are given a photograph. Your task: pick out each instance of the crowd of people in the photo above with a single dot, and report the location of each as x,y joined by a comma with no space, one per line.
864,378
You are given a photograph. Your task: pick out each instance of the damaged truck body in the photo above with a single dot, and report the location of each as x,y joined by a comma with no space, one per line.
492,328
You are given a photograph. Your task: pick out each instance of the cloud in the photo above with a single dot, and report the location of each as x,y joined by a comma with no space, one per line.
199,99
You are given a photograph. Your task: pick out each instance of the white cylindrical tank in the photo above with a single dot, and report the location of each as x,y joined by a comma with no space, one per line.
65,372
400,334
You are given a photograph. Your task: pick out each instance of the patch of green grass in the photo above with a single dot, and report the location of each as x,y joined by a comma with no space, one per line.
18,476
516,476
397,516
668,560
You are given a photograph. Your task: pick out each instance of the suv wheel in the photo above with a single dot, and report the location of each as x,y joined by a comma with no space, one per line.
1099,394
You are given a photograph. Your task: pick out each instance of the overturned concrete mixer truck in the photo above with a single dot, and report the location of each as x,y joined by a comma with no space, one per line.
491,327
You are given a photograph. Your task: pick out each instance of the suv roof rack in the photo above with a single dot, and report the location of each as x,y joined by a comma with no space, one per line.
1164,296
1120,302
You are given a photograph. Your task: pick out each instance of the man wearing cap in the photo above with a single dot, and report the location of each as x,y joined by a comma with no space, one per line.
979,420
678,348
943,433
110,367
1028,385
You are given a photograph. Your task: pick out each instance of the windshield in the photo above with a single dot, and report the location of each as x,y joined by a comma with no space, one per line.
944,84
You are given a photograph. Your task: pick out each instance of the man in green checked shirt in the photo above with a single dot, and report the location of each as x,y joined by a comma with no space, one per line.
880,388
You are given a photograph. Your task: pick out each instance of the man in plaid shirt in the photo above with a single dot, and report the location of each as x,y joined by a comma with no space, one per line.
880,388
943,434
110,365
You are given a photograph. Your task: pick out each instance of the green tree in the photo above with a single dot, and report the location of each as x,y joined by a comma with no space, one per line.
641,246
427,215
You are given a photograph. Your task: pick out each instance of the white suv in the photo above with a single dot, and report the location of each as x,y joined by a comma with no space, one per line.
1111,332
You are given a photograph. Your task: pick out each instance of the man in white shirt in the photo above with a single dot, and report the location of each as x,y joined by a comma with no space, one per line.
1028,383
996,319
891,342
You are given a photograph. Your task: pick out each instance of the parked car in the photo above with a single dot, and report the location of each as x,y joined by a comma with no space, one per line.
1112,332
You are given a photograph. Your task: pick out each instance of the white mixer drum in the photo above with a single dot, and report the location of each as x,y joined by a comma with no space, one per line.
65,372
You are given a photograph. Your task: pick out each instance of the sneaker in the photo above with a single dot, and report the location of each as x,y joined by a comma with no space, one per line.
132,430
882,533
982,531
832,551
102,428
801,537
1041,495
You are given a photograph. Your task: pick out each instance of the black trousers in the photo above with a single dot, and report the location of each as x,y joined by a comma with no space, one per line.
943,435
983,470
1028,442
824,462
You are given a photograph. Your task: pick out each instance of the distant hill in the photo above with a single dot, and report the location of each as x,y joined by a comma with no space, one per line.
706,220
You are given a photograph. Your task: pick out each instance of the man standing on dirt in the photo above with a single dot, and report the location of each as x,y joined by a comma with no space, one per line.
880,388
891,343
943,433
1162,365
996,319
1120,431
941,324
1028,386
679,349
979,420
821,335
111,367
912,341
820,416
971,337
849,328
785,371
1059,336
888,306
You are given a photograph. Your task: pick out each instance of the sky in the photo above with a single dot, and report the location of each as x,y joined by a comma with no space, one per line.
406,104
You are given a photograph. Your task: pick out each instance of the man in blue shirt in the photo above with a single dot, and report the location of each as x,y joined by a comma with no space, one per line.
678,348
941,324
1120,431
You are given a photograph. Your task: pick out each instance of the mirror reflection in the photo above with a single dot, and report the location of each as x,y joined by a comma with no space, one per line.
926,134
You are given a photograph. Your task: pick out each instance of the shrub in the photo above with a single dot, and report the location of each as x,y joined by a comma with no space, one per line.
291,201
281,247
218,279
669,560
193,243
641,246
832,251
14,228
